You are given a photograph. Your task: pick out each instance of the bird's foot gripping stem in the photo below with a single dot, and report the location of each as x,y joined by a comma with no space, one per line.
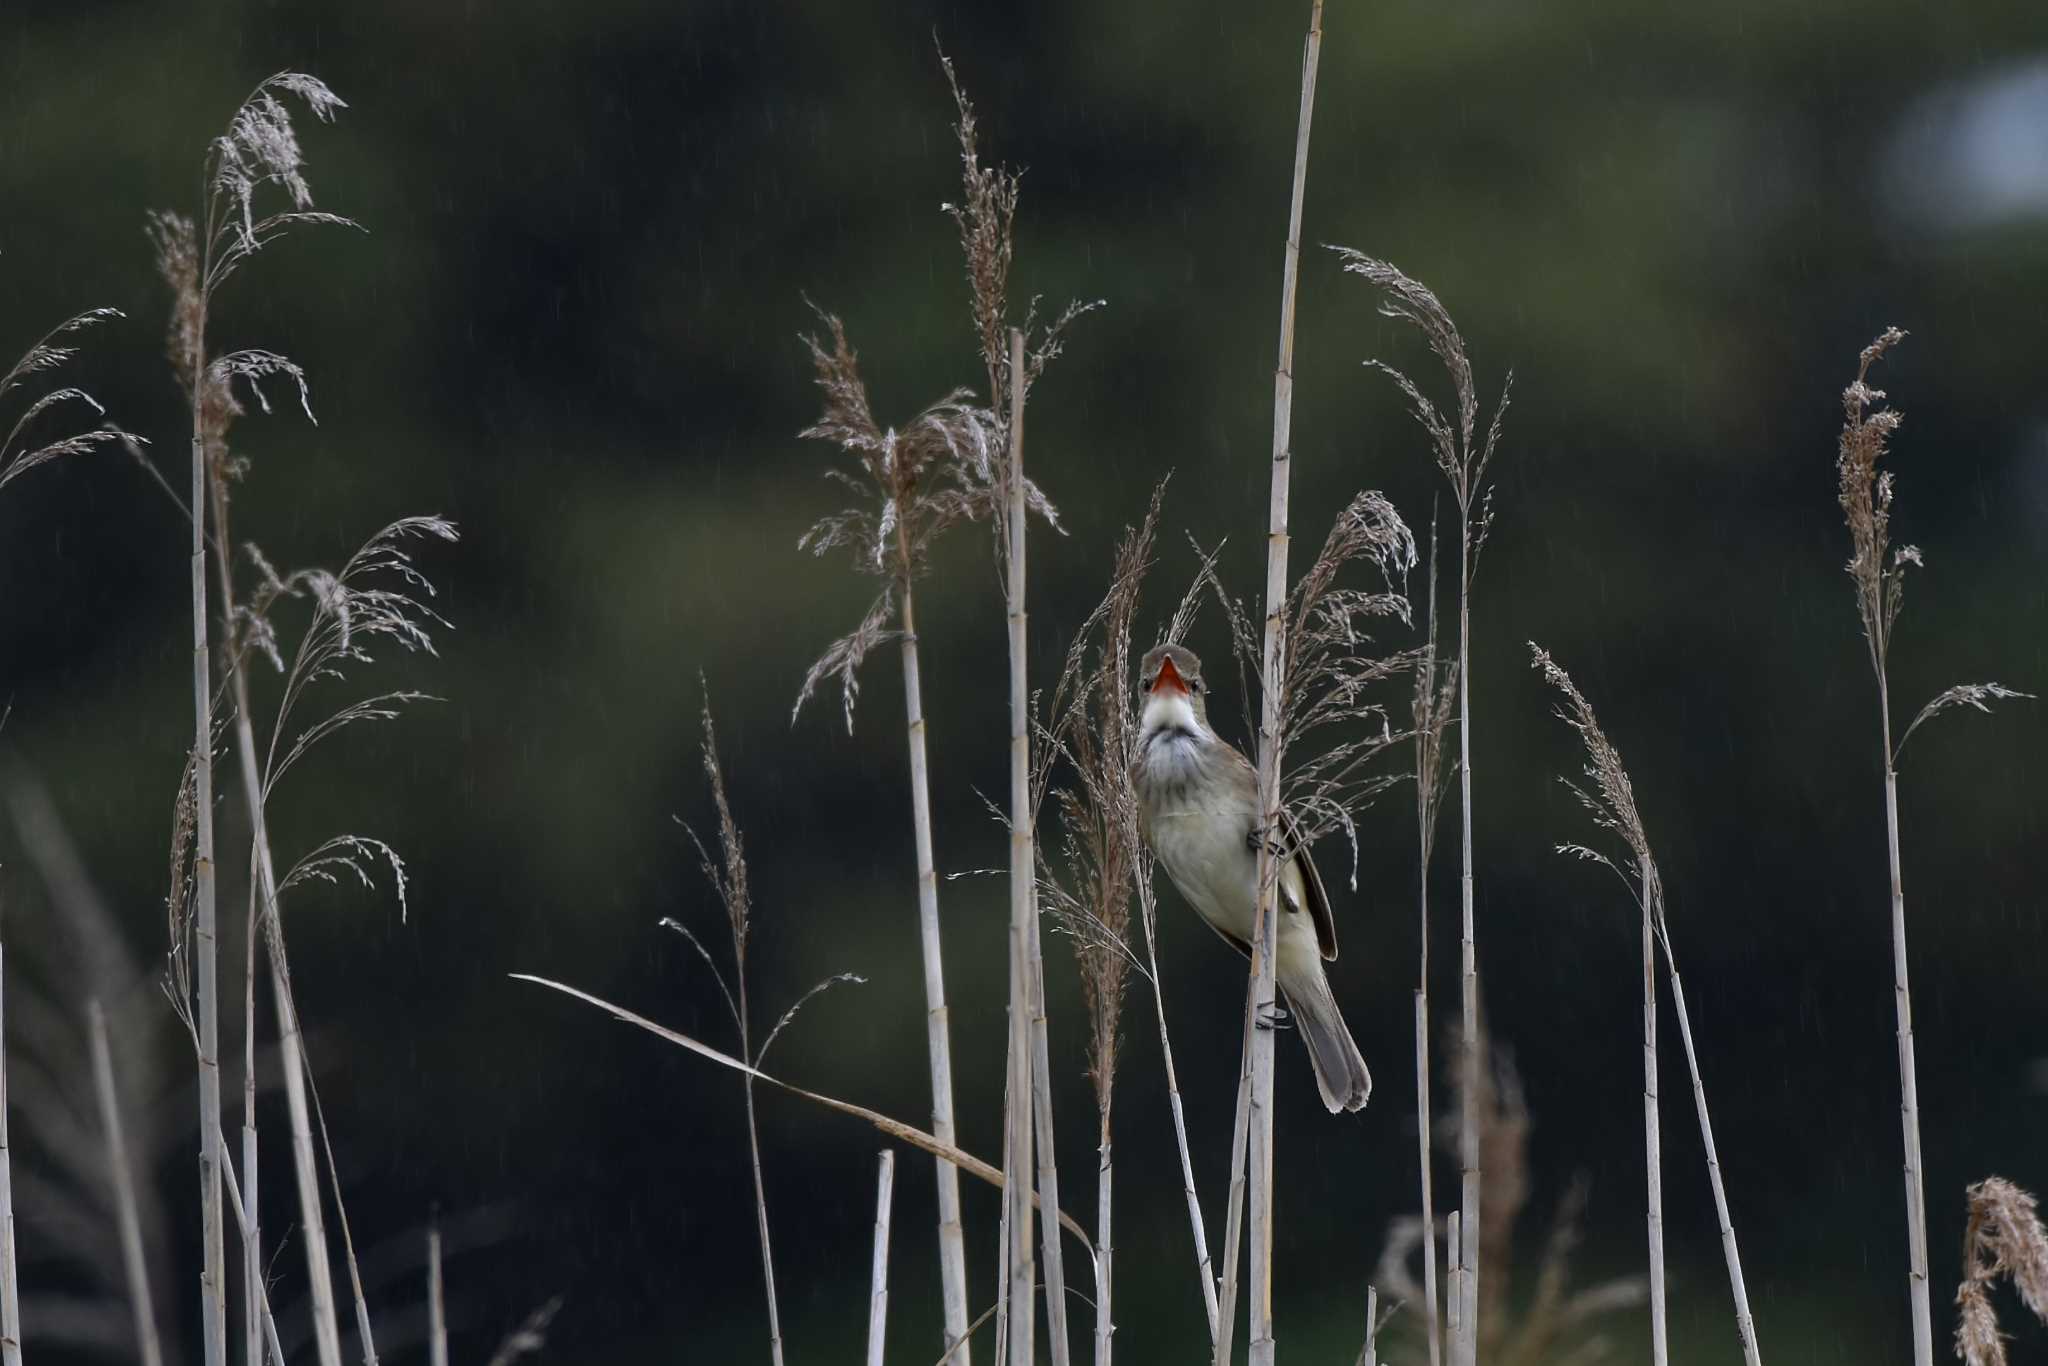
1274,1016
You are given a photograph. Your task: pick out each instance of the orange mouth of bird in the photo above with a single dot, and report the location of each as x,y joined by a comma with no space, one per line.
1169,677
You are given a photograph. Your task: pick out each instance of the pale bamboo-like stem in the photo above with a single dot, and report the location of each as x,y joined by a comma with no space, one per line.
1465,1265
938,1041
126,1213
1018,1108
1233,1219
1048,1169
437,1300
1745,1324
1431,1322
1105,1319
878,1274
10,1285
1180,1125
242,1221
205,922
1259,1151
754,1156
1653,1147
1909,1077
305,1165
252,1234
1369,1355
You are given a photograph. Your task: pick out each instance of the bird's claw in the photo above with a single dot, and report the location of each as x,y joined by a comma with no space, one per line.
1257,838
1272,1016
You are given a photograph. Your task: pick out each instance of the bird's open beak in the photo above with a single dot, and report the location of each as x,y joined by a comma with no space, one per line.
1169,677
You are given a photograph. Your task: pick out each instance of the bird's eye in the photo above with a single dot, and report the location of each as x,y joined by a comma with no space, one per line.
1199,687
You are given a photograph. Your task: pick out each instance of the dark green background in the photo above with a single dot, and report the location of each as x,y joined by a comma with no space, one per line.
572,327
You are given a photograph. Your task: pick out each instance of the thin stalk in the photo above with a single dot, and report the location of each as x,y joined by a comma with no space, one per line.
938,1044
1259,1152
754,1155
10,1285
1048,1169
878,1275
1745,1324
1909,1078
242,1221
1180,1125
1018,1105
1465,1266
1653,1150
1105,1320
1233,1220
1429,1288
305,1166
1369,1355
437,1301
126,1212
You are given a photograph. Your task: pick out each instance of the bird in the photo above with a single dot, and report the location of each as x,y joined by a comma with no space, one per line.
1198,809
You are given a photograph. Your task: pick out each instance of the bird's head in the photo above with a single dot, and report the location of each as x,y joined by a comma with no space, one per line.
1171,693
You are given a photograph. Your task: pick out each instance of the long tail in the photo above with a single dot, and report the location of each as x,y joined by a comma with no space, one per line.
1340,1070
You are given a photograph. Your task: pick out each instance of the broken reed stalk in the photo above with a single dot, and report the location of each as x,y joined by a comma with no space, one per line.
1653,1145
121,1175
10,1284
1259,1116
878,1274
437,1303
1609,798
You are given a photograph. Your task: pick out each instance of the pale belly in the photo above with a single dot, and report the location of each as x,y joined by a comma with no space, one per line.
1206,855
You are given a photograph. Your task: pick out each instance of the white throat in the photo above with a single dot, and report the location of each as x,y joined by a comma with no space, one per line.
1168,709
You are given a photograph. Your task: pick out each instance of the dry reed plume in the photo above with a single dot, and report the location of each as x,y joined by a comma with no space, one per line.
1609,797
17,456
2005,1239
727,874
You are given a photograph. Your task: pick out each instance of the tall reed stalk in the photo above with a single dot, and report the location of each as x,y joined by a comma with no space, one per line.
1609,798
1462,454
258,153
1020,1100
1430,711
1256,1080
878,1271
1866,499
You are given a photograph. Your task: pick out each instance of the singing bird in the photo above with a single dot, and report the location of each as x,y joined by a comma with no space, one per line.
1199,810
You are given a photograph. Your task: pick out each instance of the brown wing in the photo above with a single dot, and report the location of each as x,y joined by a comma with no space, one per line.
1312,884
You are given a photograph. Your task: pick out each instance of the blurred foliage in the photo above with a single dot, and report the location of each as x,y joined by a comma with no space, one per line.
572,327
